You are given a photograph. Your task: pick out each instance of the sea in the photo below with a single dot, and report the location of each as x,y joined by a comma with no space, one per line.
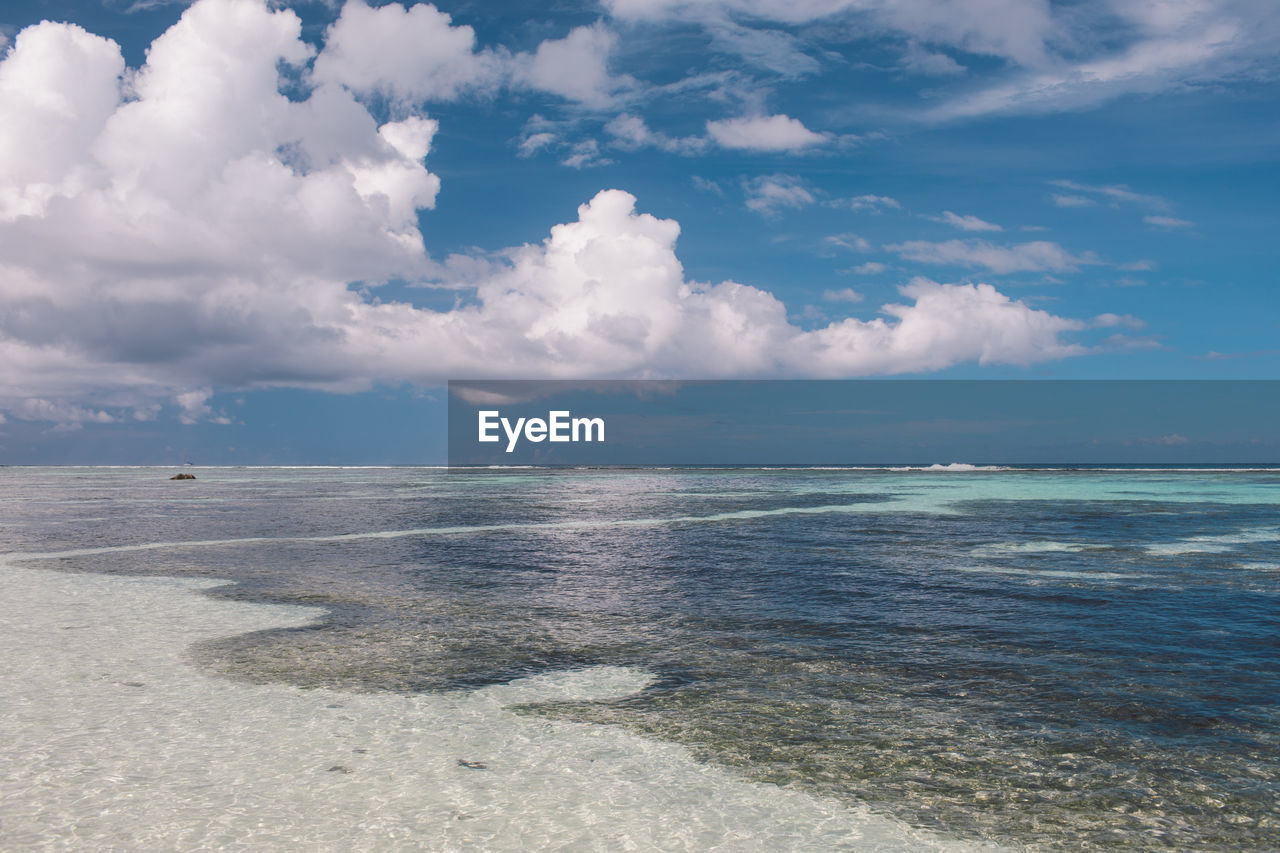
1066,658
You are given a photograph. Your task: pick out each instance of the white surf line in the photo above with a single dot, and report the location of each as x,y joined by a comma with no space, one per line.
1214,544
1050,573
741,515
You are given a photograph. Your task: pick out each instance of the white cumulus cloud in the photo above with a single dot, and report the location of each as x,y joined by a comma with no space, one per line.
416,54
201,231
575,67
764,133
413,54
194,407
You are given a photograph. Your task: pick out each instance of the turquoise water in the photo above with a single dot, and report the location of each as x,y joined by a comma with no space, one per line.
1051,659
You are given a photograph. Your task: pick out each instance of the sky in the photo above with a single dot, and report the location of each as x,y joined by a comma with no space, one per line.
234,231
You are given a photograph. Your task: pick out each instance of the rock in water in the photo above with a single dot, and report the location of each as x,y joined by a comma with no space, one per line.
183,477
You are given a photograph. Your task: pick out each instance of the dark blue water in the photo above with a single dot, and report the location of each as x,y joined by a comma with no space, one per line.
1057,659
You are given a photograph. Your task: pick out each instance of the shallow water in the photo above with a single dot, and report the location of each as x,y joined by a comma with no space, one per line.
1055,659
113,741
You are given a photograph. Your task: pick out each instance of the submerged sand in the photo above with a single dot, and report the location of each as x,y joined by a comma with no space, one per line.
113,740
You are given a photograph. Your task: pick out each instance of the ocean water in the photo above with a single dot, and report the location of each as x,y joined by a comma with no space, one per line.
1038,659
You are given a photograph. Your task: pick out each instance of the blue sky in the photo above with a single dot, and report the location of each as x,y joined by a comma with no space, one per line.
251,233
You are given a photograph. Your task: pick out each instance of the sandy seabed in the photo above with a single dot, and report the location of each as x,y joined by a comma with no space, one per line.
112,740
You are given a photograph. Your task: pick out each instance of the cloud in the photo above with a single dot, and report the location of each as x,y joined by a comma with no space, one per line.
1114,193
1133,48
1104,321
706,185
764,133
62,82
773,133
774,50
416,55
919,60
63,413
585,154
130,7
535,142
606,294
1167,222
869,268
1037,256
847,294
1012,29
575,67
194,407
540,133
850,241
1171,440
1213,355
630,133
965,223
944,322
409,55
207,232
1042,56
1128,343
867,203
155,241
770,194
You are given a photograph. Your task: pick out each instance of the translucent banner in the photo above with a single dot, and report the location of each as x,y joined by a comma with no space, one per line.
863,423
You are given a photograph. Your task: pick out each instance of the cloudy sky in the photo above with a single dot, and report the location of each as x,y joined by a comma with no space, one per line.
268,232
